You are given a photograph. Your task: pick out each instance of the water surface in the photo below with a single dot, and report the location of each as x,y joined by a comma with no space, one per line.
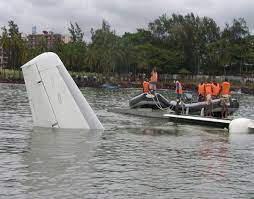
133,158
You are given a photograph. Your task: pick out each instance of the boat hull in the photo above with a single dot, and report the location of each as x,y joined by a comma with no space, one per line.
158,101
144,100
195,108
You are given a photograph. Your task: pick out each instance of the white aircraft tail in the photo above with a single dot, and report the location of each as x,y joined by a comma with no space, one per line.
54,98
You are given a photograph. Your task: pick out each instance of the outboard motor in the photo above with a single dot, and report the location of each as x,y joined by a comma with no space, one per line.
234,103
187,98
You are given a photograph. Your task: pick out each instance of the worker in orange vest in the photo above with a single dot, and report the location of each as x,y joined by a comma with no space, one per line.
146,86
179,90
216,89
225,94
153,80
179,93
201,91
208,96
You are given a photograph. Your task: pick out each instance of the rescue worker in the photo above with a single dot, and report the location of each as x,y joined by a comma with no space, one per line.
201,92
153,80
225,94
146,86
216,90
179,93
179,90
208,96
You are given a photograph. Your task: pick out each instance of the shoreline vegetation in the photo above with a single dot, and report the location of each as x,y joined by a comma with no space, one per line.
193,47
96,80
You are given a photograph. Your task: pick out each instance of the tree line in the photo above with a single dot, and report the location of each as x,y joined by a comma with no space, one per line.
173,44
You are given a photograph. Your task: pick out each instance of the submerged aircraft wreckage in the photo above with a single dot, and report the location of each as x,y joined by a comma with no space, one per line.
54,98
56,101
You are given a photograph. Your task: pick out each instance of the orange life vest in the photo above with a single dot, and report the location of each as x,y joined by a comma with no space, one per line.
179,90
225,88
216,89
208,89
201,89
154,77
145,87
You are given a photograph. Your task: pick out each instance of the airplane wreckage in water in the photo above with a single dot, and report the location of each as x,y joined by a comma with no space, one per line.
54,98
56,101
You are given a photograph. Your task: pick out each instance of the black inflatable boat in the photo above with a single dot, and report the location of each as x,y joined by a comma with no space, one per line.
158,101
196,107
147,100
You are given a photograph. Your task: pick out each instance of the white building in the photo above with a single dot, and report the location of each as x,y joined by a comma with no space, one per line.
66,39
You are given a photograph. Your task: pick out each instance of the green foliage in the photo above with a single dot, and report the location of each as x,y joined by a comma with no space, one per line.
188,35
105,52
12,44
76,33
172,44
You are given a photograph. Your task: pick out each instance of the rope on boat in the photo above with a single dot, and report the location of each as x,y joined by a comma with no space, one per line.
158,104
169,108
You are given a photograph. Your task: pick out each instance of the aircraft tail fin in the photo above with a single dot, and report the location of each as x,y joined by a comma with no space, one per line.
54,98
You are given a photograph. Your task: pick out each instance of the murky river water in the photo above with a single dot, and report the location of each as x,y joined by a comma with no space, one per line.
133,158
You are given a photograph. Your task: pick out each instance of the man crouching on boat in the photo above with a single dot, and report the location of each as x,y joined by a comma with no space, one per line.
146,88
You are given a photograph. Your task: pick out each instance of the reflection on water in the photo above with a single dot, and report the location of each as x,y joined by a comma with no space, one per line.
133,158
58,158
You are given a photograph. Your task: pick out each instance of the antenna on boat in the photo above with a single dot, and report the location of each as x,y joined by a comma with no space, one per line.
55,100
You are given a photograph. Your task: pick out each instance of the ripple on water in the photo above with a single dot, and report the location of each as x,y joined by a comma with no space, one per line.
134,157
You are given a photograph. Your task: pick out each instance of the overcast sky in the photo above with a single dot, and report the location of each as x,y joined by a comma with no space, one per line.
123,15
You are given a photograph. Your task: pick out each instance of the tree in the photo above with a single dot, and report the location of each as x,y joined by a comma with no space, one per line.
105,51
76,33
235,43
13,45
75,51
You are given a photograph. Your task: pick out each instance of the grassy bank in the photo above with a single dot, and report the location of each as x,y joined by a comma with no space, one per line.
84,79
11,76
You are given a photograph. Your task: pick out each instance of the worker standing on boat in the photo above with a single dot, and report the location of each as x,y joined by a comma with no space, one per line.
146,86
216,90
179,90
201,92
153,80
225,94
208,96
179,93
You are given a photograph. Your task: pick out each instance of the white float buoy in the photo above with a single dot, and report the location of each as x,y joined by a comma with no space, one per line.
241,125
54,98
